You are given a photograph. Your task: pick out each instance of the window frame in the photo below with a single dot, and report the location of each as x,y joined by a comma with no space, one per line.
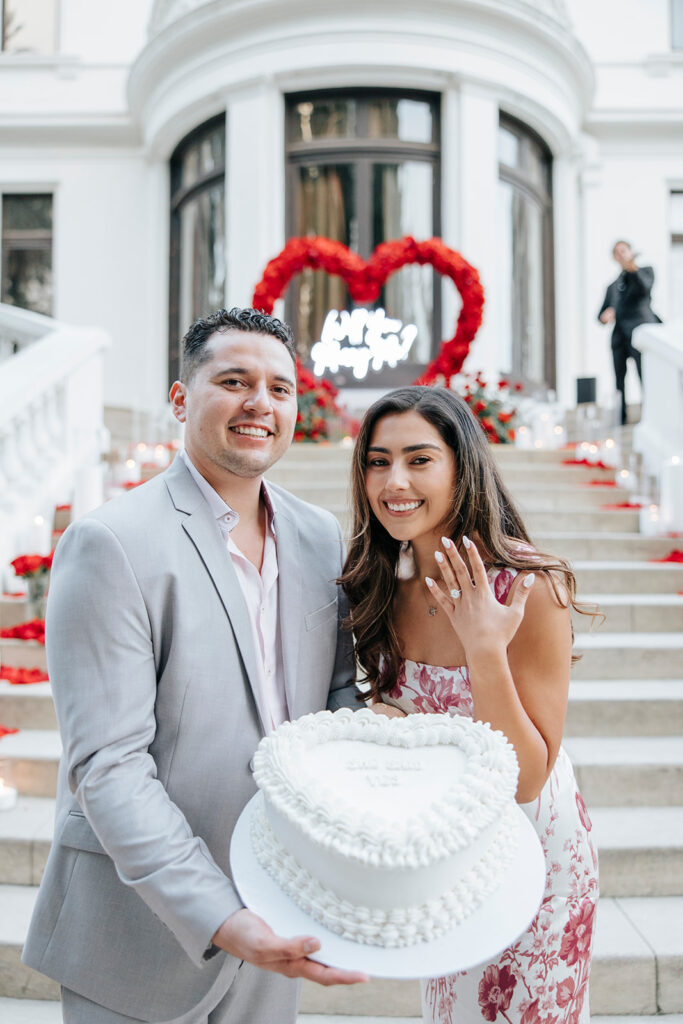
363,151
676,24
35,239
179,196
543,198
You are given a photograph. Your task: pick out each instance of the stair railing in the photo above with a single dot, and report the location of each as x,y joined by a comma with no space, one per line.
52,434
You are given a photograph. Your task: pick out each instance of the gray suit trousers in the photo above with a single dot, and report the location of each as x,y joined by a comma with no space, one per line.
245,1002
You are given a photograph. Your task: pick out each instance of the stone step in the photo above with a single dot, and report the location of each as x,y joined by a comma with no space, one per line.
636,965
620,520
619,546
27,706
539,521
637,962
25,836
544,497
640,850
619,577
625,707
632,655
632,613
628,771
34,757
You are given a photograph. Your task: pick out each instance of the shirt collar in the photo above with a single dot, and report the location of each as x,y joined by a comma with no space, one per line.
219,507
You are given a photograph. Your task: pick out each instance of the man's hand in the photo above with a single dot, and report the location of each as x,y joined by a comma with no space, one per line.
607,317
248,937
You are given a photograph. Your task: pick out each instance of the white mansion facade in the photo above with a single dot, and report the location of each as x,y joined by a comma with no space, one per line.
155,155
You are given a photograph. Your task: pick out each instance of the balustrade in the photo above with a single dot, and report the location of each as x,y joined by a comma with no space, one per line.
51,424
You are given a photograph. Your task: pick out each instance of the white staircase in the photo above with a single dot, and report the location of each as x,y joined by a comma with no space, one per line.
623,733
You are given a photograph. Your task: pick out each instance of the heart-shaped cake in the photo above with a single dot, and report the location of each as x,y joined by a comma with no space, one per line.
388,831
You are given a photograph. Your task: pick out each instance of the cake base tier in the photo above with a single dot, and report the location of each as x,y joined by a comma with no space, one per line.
494,925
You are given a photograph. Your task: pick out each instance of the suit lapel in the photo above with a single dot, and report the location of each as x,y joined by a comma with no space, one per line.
290,585
205,534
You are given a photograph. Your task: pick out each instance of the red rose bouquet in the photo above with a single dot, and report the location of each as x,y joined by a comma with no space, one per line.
491,405
35,569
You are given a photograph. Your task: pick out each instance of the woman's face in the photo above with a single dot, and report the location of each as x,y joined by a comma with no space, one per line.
409,476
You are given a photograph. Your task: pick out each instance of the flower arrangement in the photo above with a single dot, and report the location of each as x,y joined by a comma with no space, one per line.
35,569
364,280
492,405
320,417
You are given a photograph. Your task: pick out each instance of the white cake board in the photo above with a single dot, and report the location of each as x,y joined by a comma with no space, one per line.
492,927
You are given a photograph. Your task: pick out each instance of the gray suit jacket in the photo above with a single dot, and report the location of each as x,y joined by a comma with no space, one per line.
150,657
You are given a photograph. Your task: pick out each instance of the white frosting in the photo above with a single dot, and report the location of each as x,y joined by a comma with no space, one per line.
389,831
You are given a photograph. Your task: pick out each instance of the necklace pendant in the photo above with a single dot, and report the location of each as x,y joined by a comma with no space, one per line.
432,609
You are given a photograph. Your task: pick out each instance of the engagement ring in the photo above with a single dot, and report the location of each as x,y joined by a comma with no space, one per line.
455,594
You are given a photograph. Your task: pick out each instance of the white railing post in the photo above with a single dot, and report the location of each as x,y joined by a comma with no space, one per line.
659,435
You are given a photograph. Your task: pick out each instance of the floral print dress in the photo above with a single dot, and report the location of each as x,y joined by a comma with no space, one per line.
542,978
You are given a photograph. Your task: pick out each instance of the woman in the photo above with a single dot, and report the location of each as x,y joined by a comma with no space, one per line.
453,611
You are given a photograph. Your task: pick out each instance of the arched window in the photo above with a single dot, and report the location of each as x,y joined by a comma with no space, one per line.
198,261
363,168
525,325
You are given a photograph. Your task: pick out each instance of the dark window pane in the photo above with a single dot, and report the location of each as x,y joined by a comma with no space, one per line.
324,119
324,205
26,213
27,279
202,255
29,26
204,156
521,310
402,203
406,120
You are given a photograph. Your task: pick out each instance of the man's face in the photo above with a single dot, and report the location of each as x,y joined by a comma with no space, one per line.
239,408
623,253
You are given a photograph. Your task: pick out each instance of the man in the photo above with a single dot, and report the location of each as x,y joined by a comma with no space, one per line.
626,305
185,621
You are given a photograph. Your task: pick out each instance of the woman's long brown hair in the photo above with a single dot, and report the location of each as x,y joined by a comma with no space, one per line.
481,507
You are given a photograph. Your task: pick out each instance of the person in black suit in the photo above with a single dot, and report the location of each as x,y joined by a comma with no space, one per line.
627,305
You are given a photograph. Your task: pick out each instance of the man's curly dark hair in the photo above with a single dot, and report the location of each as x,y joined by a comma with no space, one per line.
252,321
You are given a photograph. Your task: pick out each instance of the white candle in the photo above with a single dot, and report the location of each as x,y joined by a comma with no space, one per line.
523,438
38,536
8,796
650,522
610,453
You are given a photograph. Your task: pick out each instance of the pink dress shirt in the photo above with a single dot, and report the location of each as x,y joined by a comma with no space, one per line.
260,593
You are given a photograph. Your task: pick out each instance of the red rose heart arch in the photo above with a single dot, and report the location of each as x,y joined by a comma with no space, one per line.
364,280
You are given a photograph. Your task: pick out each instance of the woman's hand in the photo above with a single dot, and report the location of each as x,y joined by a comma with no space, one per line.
388,710
480,621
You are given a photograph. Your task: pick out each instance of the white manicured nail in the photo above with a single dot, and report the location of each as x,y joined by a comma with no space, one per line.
467,542
446,542
429,581
438,556
528,581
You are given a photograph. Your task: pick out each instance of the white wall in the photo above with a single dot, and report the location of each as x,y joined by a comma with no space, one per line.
110,243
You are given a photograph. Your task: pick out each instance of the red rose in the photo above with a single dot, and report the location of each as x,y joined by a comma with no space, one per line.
479,406
505,417
25,565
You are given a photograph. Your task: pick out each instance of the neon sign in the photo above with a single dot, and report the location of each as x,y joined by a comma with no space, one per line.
372,339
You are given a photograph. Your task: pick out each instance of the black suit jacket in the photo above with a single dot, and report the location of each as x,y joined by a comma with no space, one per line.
629,296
